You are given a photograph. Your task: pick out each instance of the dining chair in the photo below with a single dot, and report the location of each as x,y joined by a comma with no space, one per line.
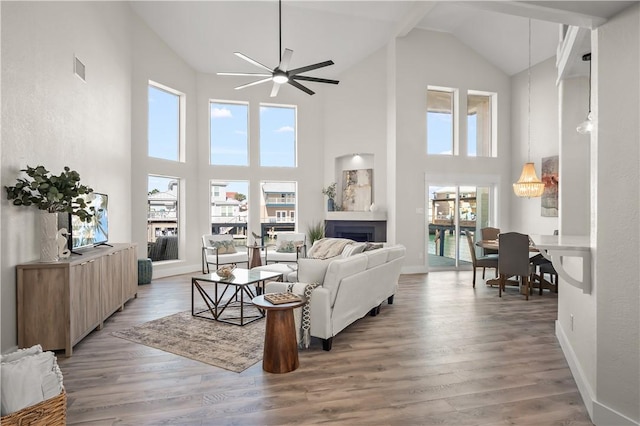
514,260
489,233
545,267
483,262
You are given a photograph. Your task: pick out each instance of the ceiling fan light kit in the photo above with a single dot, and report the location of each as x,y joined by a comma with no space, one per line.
281,74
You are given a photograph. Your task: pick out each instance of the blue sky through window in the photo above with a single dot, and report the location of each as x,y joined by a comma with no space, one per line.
277,136
229,134
472,133
439,133
163,124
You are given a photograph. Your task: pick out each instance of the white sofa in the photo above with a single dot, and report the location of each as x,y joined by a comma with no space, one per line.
352,287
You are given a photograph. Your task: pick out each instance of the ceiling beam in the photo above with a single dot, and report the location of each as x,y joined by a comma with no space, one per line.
535,10
419,10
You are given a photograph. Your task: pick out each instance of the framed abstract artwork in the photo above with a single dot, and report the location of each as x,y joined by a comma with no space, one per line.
551,179
357,189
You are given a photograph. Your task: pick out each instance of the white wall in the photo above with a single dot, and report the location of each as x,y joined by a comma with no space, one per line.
51,117
526,214
155,61
425,58
355,122
616,225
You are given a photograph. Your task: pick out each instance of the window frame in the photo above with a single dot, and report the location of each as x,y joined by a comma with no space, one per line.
247,105
262,105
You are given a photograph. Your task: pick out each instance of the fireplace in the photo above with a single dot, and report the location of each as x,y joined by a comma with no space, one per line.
357,230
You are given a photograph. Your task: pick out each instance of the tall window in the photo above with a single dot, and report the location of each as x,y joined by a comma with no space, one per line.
230,209
229,133
480,125
277,136
163,203
277,208
164,122
440,121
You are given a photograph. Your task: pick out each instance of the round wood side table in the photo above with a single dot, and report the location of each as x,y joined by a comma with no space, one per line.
280,343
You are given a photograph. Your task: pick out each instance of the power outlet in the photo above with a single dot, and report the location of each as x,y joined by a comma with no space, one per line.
571,322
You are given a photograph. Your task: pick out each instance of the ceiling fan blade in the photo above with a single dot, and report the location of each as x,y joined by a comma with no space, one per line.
252,61
310,67
286,58
317,80
301,87
246,74
253,83
275,89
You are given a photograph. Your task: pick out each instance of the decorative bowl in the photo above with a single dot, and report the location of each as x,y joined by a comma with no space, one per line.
226,271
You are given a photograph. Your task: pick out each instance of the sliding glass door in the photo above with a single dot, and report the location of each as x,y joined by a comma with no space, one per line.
453,210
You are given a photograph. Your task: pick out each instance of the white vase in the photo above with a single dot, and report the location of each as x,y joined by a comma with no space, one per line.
49,237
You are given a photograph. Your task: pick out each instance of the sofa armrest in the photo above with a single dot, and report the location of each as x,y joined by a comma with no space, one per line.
320,309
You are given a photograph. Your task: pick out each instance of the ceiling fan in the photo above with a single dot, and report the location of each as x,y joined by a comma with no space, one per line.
282,74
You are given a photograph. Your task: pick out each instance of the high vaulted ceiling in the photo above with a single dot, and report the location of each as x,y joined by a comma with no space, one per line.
206,33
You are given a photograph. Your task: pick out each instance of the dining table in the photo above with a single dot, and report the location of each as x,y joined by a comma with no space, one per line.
536,278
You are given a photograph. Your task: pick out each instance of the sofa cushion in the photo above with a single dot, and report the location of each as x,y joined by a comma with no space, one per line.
351,249
313,270
376,257
341,268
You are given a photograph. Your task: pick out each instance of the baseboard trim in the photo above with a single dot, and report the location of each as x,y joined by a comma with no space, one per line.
600,414
578,375
605,416
168,270
414,270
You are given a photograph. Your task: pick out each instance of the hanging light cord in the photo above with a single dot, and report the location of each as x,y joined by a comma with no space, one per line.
529,90
587,57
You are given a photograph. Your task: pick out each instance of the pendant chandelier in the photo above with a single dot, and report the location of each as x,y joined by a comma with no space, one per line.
529,185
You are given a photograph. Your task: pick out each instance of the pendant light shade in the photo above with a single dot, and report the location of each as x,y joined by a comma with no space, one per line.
528,185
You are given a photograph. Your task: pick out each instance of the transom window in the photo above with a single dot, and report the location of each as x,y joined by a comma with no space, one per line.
440,121
229,133
480,124
164,122
277,136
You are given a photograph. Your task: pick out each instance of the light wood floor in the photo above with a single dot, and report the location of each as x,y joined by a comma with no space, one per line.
443,353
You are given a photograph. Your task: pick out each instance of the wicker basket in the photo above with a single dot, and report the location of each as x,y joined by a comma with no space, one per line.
51,412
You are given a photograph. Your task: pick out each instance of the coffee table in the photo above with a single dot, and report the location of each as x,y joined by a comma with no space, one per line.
238,291
280,344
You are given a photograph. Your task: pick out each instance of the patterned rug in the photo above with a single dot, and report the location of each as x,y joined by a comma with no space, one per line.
219,344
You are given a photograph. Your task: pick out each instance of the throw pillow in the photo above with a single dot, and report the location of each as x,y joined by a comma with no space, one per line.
223,247
373,246
288,246
351,249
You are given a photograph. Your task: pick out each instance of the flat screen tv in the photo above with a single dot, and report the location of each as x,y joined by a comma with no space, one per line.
95,232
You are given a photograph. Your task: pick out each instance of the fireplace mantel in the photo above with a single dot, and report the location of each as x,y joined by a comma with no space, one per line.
359,216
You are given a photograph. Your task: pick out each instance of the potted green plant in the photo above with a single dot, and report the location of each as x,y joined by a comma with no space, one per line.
315,232
52,194
330,192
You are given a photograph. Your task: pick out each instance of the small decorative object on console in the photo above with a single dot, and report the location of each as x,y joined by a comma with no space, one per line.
280,298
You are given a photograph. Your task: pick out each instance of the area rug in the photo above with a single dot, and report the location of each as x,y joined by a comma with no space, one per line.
227,346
